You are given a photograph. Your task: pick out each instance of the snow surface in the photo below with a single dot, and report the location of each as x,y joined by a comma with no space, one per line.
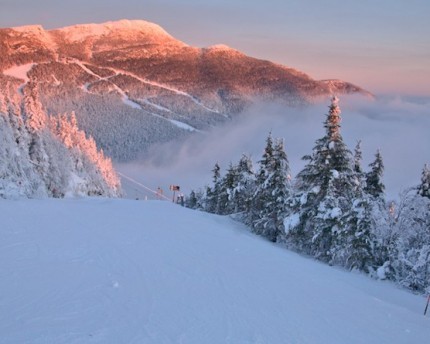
20,72
159,107
28,28
123,271
127,101
83,31
291,221
182,125
223,48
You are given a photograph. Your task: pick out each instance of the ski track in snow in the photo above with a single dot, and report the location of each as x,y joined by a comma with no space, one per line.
174,90
127,101
159,107
181,125
122,271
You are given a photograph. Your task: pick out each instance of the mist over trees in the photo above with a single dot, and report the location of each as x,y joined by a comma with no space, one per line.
333,210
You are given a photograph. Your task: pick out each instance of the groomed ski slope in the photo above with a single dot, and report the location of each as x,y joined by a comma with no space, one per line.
125,271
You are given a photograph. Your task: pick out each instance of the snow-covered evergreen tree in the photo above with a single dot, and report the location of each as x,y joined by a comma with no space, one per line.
46,153
356,240
212,193
374,185
241,195
424,187
92,172
412,266
272,191
227,186
192,200
18,177
257,199
326,188
358,169
38,163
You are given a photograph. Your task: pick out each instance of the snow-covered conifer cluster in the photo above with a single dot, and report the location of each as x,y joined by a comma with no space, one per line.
332,211
42,156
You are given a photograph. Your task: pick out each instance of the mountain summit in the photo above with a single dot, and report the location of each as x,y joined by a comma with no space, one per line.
132,84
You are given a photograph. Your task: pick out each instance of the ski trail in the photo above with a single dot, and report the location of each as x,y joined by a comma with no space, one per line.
148,82
127,101
175,122
179,124
159,107
174,90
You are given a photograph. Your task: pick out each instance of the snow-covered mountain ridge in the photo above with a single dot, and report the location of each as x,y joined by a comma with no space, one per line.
134,69
121,271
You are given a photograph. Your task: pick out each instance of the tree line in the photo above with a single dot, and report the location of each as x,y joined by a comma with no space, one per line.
332,210
49,156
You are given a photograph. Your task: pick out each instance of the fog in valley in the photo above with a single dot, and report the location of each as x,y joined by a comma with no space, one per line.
398,126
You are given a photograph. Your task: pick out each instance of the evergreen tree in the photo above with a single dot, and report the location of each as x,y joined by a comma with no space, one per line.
374,184
195,200
424,187
280,184
326,188
42,145
227,186
354,246
213,193
241,196
412,264
40,163
358,157
356,241
259,198
191,201
273,190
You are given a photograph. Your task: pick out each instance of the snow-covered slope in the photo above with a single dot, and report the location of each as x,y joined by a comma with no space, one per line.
118,271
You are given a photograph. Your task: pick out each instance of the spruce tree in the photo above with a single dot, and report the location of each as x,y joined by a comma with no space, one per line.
242,195
259,198
273,190
424,187
213,193
280,184
412,265
325,189
227,186
356,240
195,200
191,201
374,185
358,158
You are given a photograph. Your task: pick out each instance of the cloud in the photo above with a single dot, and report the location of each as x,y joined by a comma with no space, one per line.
397,126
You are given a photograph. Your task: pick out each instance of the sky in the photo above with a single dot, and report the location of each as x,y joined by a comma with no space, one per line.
380,45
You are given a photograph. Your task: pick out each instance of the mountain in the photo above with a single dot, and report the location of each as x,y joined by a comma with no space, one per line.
132,84
123,271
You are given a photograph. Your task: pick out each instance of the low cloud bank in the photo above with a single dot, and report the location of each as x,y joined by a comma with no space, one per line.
399,127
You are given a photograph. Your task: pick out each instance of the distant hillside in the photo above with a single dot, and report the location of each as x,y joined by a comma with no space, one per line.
132,84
